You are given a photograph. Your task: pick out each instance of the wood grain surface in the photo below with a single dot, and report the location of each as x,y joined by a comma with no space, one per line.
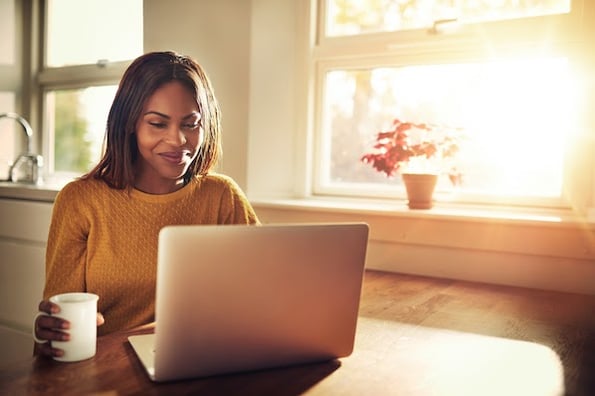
415,336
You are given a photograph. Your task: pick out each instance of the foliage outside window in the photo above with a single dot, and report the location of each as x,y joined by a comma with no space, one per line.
79,118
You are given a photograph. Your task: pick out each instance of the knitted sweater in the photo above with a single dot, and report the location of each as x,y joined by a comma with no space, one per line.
104,241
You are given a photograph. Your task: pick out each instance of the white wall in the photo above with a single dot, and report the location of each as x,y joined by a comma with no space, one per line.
277,130
217,34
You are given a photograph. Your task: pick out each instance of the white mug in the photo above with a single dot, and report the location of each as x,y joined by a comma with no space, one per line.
80,309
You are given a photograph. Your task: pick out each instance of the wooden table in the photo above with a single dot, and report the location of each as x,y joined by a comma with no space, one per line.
416,336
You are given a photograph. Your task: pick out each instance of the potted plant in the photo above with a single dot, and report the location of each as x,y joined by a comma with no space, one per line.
419,152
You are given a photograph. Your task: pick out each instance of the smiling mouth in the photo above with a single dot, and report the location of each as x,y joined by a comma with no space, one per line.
173,158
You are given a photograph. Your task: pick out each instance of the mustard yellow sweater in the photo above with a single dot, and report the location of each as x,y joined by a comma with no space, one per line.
104,240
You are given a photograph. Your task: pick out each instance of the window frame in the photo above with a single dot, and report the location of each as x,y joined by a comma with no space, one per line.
50,79
468,43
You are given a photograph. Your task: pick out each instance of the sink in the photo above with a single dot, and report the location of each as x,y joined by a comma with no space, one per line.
27,167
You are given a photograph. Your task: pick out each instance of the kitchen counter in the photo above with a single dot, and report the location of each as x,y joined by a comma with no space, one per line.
44,192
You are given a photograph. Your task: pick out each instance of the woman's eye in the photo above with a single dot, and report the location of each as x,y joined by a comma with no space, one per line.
190,126
157,124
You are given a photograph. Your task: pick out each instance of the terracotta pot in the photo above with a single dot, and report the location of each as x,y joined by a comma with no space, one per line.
420,189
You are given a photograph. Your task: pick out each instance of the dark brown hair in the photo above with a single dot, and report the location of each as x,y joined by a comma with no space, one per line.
142,78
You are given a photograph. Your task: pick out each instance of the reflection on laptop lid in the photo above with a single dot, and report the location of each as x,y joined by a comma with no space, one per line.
239,298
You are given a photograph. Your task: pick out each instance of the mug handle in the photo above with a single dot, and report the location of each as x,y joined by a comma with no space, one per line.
37,340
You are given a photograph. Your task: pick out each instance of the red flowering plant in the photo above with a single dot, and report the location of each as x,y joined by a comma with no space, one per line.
415,148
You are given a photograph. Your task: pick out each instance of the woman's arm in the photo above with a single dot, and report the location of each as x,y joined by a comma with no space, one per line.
67,244
65,269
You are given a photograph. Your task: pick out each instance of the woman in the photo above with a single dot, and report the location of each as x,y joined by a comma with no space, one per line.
163,139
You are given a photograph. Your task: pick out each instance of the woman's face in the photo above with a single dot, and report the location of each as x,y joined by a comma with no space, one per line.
168,135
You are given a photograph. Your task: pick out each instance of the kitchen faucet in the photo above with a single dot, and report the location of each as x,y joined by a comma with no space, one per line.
27,166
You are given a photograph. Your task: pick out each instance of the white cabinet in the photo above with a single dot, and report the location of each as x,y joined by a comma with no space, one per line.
23,236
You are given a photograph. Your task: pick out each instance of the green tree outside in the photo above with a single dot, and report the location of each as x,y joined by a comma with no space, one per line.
72,147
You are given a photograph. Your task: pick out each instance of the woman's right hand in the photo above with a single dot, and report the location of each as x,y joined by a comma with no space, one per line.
49,328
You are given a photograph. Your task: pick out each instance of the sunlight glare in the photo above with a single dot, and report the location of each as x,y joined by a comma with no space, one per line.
458,362
528,108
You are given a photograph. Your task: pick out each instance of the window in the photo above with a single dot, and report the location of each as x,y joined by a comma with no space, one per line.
87,46
504,72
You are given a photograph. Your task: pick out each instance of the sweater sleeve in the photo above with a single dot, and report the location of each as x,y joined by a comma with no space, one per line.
67,245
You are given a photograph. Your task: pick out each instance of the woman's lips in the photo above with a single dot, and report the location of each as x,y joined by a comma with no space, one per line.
173,157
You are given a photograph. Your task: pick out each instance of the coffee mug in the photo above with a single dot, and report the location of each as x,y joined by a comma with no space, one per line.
80,309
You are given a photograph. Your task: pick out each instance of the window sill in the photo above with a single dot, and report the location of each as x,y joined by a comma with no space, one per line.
440,211
545,249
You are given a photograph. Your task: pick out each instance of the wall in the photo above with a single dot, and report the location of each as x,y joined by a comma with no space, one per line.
276,132
217,34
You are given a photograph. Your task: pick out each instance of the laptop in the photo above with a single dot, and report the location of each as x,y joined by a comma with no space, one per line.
238,298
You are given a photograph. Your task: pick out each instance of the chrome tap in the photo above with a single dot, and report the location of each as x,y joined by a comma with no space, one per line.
27,166
26,127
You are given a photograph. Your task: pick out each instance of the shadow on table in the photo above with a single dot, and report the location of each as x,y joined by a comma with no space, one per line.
286,381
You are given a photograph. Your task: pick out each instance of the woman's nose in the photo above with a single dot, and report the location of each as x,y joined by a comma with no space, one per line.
176,136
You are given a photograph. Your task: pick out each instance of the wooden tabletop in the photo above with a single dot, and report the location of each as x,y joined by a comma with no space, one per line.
415,336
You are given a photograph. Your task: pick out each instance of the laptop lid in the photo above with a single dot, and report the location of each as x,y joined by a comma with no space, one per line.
238,298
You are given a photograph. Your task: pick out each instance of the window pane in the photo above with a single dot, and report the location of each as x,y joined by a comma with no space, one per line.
7,32
83,32
516,115
78,119
350,17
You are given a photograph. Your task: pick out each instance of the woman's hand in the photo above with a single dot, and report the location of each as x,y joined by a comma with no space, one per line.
50,328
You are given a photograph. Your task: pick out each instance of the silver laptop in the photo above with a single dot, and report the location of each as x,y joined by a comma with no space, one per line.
240,298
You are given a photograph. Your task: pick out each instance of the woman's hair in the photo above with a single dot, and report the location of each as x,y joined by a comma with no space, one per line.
142,78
